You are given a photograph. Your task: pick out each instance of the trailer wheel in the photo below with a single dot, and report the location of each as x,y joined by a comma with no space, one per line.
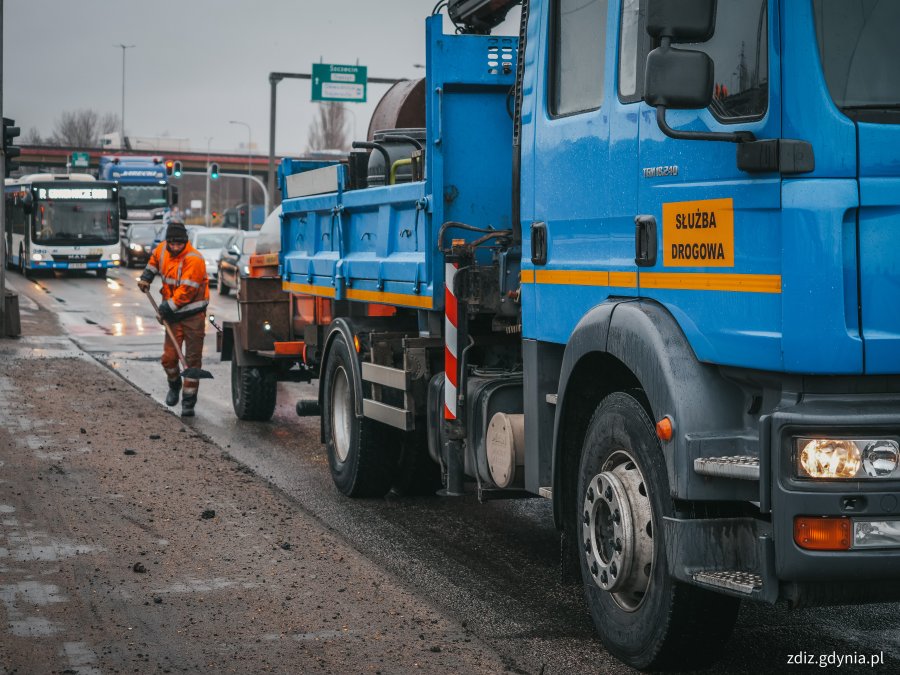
360,456
253,392
643,616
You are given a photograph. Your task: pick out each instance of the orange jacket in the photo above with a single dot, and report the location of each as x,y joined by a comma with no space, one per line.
185,285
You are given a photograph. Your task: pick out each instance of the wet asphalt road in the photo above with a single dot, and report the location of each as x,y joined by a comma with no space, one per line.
493,566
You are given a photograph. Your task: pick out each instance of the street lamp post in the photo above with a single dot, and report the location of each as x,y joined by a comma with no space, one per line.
123,48
249,173
208,186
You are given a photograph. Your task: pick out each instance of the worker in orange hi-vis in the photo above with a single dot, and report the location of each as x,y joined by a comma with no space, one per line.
185,294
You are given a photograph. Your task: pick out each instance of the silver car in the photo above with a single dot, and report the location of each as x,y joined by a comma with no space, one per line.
209,242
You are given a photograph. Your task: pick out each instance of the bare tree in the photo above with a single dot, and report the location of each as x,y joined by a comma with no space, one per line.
32,137
328,130
83,128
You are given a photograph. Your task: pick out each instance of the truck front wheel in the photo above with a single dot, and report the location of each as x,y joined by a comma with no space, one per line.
360,456
253,392
643,616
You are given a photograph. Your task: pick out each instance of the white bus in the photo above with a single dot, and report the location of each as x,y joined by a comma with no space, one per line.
62,223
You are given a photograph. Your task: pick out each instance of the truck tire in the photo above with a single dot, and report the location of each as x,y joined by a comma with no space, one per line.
253,392
643,616
102,272
360,455
220,285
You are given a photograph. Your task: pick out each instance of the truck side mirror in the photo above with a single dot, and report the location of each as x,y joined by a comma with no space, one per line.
682,78
123,209
681,20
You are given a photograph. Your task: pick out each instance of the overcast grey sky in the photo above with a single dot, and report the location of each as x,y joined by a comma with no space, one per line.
199,63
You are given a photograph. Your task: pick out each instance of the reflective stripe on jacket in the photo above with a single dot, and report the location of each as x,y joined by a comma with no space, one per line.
185,286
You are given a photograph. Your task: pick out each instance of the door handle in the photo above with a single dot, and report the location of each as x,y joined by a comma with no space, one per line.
539,243
645,241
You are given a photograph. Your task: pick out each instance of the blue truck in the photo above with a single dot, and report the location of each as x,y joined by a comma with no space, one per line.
639,261
144,184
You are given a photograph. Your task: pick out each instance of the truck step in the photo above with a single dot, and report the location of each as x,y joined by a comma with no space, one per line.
741,582
399,418
743,467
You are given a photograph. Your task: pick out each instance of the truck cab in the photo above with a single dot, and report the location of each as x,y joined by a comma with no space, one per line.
143,184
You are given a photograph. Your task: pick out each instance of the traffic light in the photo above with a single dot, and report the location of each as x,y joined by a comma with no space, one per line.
10,131
170,167
176,169
214,170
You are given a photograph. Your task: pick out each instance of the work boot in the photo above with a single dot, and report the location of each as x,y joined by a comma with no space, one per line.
187,405
174,390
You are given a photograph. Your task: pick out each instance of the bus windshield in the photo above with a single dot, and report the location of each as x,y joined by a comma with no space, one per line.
76,222
144,196
860,52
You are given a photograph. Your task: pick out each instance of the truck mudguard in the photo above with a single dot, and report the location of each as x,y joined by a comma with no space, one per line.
642,338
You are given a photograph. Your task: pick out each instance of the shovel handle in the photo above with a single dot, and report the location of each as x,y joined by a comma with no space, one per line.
184,365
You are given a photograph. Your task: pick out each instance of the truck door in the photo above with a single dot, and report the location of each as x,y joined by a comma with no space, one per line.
858,51
717,267
582,198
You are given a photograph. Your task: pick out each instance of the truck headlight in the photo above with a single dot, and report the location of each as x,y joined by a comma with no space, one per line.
134,247
246,269
846,458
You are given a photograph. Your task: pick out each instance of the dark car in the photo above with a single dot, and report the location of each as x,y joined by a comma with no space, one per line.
137,243
233,265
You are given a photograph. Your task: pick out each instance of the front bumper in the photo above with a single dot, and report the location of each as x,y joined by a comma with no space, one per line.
869,500
53,265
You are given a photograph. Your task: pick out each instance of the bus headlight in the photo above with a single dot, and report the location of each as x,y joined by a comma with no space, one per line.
846,458
115,256
37,257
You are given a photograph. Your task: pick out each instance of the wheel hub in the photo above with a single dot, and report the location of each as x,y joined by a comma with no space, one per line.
617,533
341,414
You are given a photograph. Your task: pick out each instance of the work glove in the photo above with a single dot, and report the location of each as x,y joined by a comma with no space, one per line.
144,285
166,313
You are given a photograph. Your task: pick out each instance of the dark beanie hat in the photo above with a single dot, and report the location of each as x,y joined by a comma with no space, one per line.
176,231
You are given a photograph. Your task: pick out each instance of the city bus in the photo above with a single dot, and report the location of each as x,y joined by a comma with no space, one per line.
62,223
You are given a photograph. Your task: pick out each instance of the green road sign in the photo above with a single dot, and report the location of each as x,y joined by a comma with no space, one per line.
332,82
80,160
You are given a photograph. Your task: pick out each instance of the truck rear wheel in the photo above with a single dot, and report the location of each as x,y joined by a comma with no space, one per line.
360,454
643,616
253,392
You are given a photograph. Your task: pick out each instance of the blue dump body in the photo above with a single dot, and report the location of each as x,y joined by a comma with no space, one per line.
380,244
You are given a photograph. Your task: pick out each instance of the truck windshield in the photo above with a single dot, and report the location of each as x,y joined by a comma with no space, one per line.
860,52
75,223
144,196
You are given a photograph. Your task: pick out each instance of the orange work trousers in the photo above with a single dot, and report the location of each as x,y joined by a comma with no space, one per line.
188,332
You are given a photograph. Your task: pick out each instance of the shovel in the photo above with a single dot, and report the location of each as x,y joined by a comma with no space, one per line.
187,373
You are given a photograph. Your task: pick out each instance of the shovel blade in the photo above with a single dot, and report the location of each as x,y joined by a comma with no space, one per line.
196,374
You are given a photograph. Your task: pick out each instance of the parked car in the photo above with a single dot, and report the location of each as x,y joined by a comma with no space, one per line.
209,242
137,244
234,263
